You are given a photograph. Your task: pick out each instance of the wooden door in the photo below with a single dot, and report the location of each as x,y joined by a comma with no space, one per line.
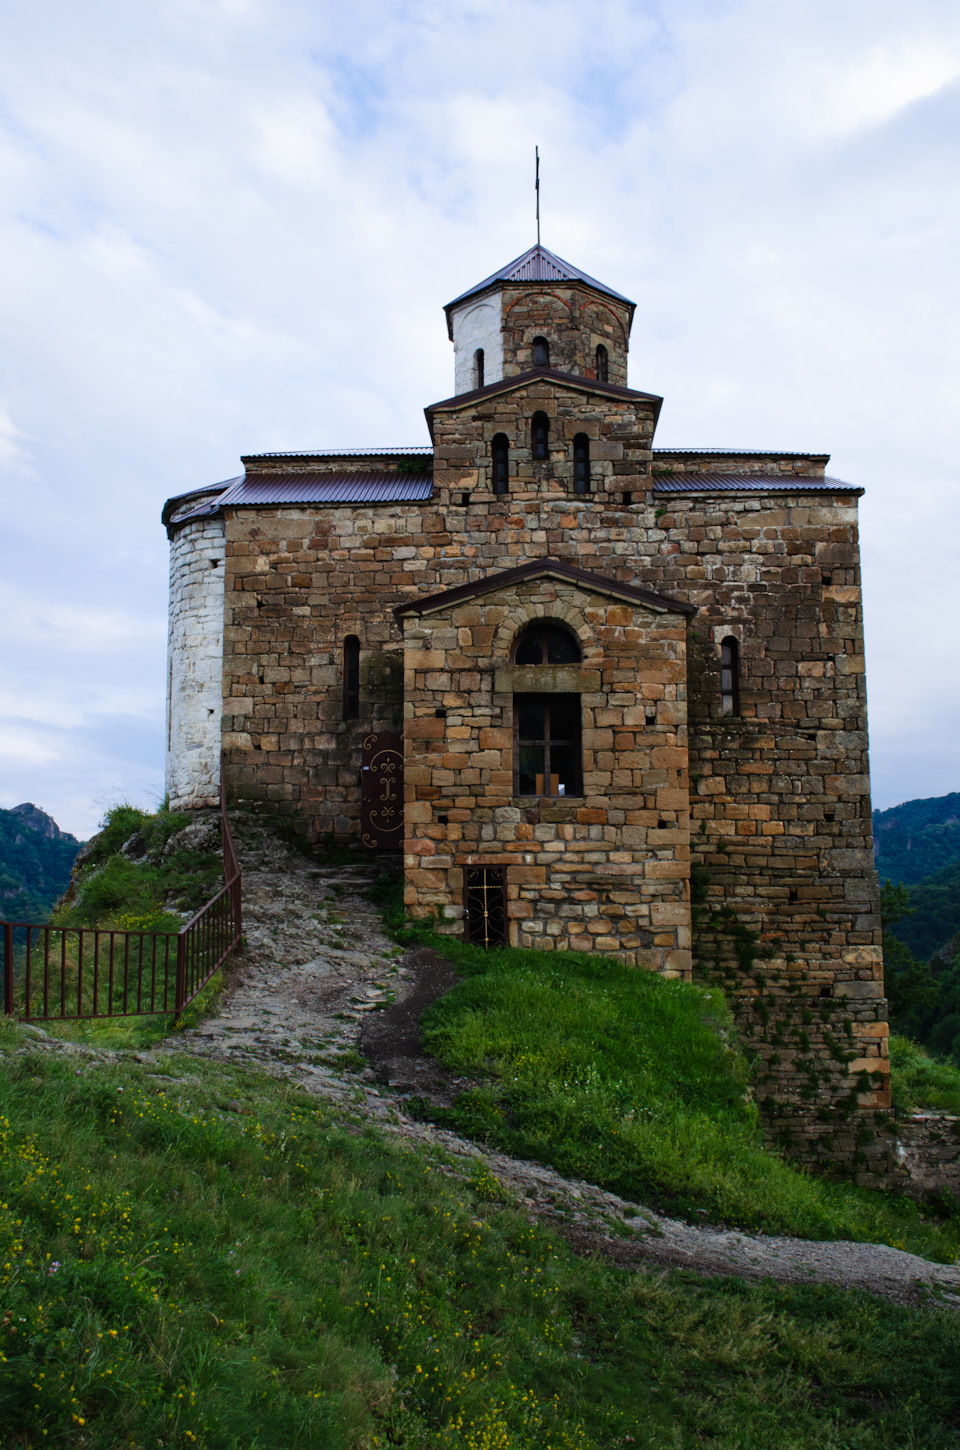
381,793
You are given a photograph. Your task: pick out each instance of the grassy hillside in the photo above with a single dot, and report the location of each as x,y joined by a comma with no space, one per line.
204,1259
627,1080
35,862
918,838
194,1256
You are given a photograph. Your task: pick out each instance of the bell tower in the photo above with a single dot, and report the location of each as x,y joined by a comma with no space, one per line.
539,311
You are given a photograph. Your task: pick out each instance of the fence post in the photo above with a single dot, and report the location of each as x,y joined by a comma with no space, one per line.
8,969
180,990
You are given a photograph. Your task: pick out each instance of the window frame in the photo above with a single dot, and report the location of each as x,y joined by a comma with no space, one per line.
500,457
730,688
540,423
581,461
547,743
543,626
351,677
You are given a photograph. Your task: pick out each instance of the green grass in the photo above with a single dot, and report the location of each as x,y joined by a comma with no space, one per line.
920,1081
626,1079
216,1261
112,890
150,894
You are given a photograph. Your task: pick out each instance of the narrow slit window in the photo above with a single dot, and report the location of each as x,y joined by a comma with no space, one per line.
541,437
478,368
547,746
500,455
541,352
581,463
351,678
730,676
603,365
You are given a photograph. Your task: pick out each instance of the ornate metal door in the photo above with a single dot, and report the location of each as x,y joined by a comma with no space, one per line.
486,906
381,793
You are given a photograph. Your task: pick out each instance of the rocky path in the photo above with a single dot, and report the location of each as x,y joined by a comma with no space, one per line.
299,1005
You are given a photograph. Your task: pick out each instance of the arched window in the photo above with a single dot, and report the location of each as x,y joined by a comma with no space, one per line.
546,644
540,429
730,676
581,463
603,365
478,368
351,677
541,352
500,456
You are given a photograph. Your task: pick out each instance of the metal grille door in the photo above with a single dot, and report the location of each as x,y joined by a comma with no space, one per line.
381,805
486,906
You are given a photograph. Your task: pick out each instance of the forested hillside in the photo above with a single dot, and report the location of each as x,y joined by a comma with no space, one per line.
35,861
918,838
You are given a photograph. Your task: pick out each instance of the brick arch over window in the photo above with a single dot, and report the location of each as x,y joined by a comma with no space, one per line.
593,306
528,612
551,640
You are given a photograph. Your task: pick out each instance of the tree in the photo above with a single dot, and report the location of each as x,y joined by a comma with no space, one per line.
910,985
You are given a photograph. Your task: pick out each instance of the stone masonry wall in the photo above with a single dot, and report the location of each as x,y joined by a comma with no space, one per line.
195,665
780,797
573,320
607,871
780,805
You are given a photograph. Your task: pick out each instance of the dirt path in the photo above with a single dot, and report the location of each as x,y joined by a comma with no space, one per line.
319,963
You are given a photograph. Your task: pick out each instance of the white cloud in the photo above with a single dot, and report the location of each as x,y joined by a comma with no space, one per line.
230,225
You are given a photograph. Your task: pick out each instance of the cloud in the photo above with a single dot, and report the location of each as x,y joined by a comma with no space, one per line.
230,225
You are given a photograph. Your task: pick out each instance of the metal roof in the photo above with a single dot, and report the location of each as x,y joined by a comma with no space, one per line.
748,483
421,451
734,453
369,486
538,265
537,375
558,568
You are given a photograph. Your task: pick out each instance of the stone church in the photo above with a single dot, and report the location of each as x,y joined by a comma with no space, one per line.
567,674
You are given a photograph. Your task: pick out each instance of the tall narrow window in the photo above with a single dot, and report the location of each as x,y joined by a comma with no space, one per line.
547,745
730,676
478,368
603,365
581,463
500,456
351,677
541,352
540,429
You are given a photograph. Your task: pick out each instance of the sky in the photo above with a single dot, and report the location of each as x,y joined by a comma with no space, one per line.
230,226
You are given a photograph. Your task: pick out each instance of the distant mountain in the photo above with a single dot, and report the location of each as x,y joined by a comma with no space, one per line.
917,839
35,862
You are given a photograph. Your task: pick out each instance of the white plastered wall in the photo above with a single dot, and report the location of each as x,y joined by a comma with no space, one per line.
195,664
477,324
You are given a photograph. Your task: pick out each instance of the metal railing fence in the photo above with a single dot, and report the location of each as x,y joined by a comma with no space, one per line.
74,973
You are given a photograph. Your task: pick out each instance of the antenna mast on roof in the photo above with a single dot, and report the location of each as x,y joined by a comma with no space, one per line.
537,190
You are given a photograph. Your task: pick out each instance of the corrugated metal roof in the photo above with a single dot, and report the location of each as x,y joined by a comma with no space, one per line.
421,451
539,265
733,453
748,483
373,486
